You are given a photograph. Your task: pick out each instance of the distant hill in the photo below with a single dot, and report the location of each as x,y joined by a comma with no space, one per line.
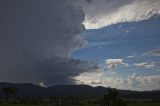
28,89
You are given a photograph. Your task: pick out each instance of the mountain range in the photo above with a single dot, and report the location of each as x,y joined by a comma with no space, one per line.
29,89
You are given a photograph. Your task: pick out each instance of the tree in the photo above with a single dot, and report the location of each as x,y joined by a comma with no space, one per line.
9,91
111,99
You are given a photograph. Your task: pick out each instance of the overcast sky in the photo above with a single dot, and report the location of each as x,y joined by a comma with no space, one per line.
95,42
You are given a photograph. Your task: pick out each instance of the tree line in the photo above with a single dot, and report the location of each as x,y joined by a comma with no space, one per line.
109,99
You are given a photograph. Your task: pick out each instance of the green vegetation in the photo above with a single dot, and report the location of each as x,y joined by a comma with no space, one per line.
131,104
9,92
144,104
111,98
16,105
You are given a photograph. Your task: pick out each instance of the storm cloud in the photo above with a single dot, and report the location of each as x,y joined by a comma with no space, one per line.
37,38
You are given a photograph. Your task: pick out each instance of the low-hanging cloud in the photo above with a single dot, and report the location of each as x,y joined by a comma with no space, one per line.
36,39
101,13
131,82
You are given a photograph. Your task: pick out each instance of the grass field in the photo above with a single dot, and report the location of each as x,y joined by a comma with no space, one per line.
144,104
132,104
16,105
136,104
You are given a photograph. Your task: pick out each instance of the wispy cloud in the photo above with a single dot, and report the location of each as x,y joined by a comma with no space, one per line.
102,13
145,64
155,52
132,55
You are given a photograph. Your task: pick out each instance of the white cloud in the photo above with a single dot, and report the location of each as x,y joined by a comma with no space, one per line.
132,55
112,63
132,82
102,13
42,84
145,64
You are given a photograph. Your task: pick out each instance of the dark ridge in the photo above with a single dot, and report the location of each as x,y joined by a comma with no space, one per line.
29,89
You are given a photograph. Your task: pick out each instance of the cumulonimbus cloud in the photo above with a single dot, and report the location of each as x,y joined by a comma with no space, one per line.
36,40
101,13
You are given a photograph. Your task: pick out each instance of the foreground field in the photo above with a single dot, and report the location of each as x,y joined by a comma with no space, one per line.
16,105
135,104
144,104
132,104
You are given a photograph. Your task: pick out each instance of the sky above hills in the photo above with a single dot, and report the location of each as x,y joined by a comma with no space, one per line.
127,54
94,42
123,39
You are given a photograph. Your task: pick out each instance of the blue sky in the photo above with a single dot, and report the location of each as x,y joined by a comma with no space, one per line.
131,43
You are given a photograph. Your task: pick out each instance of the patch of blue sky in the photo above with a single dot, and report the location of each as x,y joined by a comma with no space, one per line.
127,41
